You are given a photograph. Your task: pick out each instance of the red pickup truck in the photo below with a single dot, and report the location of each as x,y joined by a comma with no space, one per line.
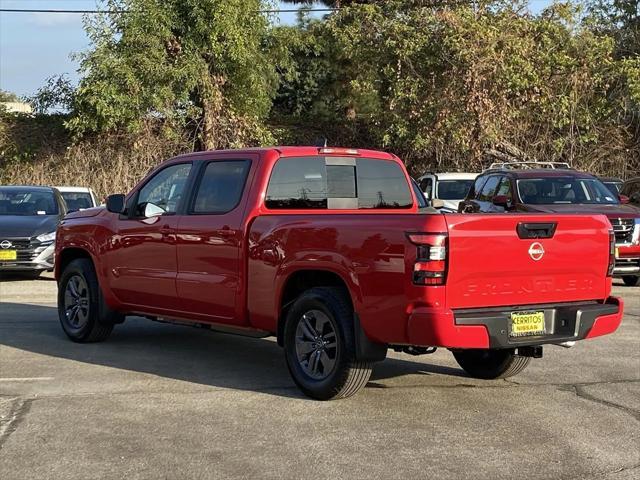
329,250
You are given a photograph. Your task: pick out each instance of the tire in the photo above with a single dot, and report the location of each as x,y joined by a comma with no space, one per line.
631,280
491,364
93,320
319,345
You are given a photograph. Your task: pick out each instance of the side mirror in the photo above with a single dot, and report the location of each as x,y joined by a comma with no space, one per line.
437,203
502,201
623,199
115,203
150,210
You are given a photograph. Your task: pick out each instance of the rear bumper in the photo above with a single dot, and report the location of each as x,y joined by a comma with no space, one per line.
489,327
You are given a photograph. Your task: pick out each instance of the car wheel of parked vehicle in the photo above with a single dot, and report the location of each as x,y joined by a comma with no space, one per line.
631,280
320,345
491,364
82,311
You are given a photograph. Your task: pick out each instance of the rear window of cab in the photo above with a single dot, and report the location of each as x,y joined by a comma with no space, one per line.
337,183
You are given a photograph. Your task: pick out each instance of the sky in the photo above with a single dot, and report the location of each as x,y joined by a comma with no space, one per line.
36,46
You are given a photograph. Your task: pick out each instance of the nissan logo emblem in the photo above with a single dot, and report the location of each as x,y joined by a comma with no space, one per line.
536,251
5,244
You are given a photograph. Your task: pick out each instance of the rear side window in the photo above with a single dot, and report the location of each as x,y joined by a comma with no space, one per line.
318,182
221,187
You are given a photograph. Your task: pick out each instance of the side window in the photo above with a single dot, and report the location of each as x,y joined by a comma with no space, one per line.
166,187
426,185
220,187
382,184
477,188
298,183
504,188
486,195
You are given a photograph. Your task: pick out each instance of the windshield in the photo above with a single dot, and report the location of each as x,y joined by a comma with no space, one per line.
14,201
567,190
454,189
77,200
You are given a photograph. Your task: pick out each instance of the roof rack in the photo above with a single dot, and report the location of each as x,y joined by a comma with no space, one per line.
530,165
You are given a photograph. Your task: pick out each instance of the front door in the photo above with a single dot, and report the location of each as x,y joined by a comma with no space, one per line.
210,237
142,258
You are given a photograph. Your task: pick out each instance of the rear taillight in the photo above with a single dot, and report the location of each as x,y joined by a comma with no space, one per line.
612,253
430,267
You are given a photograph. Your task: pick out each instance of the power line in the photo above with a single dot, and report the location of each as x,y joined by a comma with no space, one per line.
48,10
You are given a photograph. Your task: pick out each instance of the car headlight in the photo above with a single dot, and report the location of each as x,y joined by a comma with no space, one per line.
46,237
635,239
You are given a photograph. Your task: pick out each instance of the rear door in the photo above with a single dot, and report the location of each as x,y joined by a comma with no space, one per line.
490,264
209,240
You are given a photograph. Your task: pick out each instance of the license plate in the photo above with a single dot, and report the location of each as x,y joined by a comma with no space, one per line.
524,324
8,255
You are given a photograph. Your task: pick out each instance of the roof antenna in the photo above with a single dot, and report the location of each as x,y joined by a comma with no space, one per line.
321,142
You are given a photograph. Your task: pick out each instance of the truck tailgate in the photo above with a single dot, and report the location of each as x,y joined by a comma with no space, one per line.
491,266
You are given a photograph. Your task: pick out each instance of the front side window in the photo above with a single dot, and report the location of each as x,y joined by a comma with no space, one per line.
166,187
504,189
569,190
221,187
488,189
316,182
26,202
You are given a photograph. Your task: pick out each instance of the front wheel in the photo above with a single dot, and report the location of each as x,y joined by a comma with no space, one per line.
320,346
631,280
491,364
83,314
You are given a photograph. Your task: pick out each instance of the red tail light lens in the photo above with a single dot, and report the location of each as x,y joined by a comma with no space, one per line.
612,253
430,267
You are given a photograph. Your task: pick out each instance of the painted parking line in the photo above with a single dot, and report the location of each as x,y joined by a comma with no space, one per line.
26,379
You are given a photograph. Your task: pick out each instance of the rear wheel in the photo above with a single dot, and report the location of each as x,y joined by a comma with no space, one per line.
631,280
491,364
83,314
320,346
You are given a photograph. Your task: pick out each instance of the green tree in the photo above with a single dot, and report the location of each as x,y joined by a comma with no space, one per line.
454,85
6,96
203,65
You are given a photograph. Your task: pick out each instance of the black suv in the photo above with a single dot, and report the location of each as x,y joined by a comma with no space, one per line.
29,217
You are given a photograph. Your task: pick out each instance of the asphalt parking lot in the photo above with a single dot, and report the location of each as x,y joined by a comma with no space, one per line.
162,401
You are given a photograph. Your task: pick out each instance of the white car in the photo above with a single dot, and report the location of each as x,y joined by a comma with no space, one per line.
78,198
451,188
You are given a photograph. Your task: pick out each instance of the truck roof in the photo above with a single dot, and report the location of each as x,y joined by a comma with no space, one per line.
298,151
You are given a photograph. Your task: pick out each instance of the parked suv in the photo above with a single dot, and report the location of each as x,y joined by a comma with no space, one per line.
327,250
29,217
560,190
450,188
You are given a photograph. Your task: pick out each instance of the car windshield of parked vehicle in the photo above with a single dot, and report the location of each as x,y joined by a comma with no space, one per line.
27,202
454,189
77,200
569,190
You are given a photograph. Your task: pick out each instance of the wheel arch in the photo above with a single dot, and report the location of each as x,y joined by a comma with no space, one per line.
303,279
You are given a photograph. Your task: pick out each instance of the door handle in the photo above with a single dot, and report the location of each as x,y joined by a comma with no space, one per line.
166,230
225,232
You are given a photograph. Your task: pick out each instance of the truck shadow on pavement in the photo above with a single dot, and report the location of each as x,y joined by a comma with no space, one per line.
175,352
